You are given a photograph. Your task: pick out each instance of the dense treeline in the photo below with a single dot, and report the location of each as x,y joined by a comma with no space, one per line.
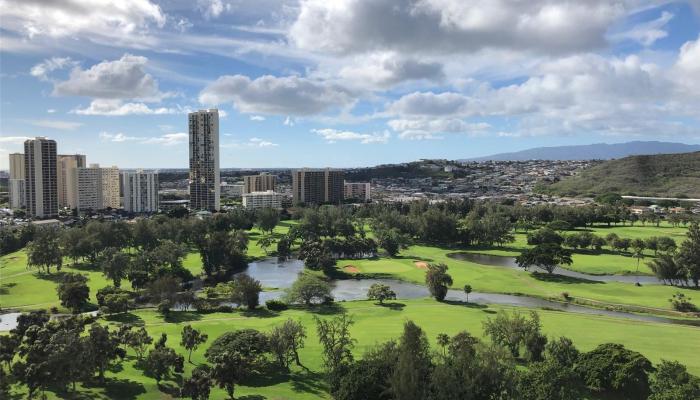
515,361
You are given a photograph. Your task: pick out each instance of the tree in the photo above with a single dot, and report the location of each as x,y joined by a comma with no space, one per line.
73,291
164,289
546,256
286,340
513,330
316,256
367,378
392,240
268,218
611,367
284,248
138,340
638,248
266,242
115,265
667,269
308,288
44,251
334,336
673,382
562,352
467,290
438,280
410,379
198,385
380,293
689,253
162,360
235,355
103,348
681,302
191,339
246,291
666,244
443,340
549,381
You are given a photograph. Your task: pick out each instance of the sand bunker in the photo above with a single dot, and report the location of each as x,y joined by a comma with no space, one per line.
421,264
351,268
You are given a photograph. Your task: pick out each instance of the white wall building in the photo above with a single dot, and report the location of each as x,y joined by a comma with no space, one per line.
141,191
16,182
234,190
266,199
358,191
110,187
205,178
89,188
67,187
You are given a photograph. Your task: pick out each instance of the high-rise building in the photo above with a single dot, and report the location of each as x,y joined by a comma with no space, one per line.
110,187
317,186
89,187
40,179
257,200
259,183
357,191
97,188
16,182
65,172
140,191
205,191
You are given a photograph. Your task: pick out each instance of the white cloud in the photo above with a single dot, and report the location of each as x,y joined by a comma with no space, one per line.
117,137
110,107
334,135
430,128
212,8
257,118
55,124
168,139
289,121
119,79
647,33
448,26
13,139
257,142
51,110
289,95
42,69
119,21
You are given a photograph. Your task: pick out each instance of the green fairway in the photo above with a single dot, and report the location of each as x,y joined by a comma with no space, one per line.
505,280
375,324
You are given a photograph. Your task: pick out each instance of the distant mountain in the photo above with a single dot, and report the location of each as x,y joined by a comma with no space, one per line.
597,151
663,175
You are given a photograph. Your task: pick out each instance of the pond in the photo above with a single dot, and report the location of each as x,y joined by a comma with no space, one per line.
509,262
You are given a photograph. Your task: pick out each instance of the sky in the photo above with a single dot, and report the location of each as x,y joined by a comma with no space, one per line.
345,83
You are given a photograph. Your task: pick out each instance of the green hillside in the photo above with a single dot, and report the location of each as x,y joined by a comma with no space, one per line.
672,175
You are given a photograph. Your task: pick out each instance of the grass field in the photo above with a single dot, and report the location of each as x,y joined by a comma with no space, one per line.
375,324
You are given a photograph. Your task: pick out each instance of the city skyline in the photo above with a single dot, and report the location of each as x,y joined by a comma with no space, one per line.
299,83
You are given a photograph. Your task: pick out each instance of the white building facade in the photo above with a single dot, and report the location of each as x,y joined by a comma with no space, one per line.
258,200
16,182
141,191
358,191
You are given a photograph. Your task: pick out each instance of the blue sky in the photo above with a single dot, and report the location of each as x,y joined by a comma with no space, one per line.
345,82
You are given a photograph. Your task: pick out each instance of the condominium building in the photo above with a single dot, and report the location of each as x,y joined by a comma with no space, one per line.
40,179
204,180
259,183
110,187
140,191
97,188
16,182
357,191
89,188
233,190
266,199
317,186
65,173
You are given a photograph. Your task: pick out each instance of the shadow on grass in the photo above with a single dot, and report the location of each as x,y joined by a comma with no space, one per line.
488,311
326,309
392,306
259,313
182,316
544,277
465,304
123,389
5,287
85,267
125,318
410,257
252,397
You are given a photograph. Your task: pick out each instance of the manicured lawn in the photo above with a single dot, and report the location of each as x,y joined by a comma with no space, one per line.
605,262
375,324
504,280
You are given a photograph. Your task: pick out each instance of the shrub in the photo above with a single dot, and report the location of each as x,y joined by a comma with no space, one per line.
276,305
681,302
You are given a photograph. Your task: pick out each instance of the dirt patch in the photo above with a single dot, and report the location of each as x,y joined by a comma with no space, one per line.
351,268
421,264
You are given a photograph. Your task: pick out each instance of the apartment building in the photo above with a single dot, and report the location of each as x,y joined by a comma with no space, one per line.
259,183
89,188
40,178
205,178
359,191
110,187
16,181
266,199
141,191
317,186
65,174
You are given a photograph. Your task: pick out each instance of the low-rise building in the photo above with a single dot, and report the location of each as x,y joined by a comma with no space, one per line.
359,191
266,199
